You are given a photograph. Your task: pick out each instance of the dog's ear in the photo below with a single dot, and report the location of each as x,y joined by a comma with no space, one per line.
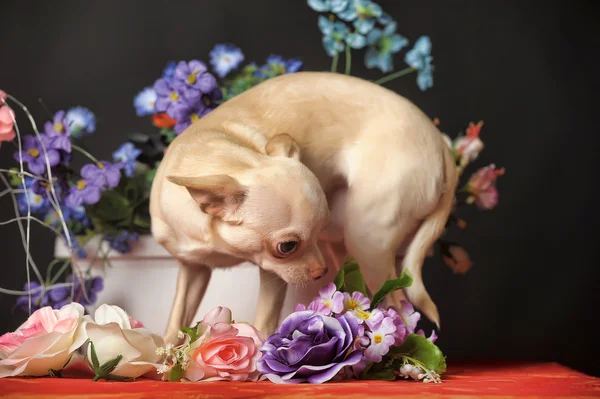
283,145
218,195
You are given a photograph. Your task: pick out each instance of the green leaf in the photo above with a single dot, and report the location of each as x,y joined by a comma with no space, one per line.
353,278
95,362
339,279
405,280
383,375
110,365
192,332
176,373
114,377
420,348
14,178
112,207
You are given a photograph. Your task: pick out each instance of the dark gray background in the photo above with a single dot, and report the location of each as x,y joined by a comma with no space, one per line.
525,68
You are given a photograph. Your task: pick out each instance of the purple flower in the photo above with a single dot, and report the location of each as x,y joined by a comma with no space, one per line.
381,338
121,241
84,192
77,214
59,131
409,316
432,338
186,115
33,154
192,80
77,248
62,295
103,173
401,329
169,70
38,297
309,347
316,306
331,298
355,303
167,97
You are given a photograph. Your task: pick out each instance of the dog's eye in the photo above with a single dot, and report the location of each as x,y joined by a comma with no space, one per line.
286,248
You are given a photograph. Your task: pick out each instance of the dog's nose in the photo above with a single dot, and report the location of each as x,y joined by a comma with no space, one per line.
317,274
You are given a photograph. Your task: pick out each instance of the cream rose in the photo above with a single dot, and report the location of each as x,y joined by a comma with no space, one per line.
46,341
114,333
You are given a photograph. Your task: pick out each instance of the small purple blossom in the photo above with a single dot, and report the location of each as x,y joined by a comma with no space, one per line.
186,115
409,316
316,306
62,295
331,298
167,97
83,192
122,241
381,337
33,154
59,131
401,329
192,80
103,173
38,297
169,70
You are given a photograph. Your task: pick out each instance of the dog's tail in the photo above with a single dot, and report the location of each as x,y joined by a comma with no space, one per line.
426,236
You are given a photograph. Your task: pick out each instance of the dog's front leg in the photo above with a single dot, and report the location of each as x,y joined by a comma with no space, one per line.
192,281
270,302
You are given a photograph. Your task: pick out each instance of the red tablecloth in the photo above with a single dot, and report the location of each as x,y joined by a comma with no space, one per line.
482,380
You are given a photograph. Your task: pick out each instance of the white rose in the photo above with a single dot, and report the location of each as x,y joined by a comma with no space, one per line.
45,341
112,335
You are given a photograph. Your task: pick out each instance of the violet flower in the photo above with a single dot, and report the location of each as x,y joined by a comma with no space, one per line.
331,298
61,296
309,347
381,337
121,241
59,131
103,173
186,115
84,192
33,154
167,97
192,80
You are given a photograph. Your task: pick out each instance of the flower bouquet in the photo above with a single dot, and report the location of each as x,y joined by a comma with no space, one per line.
108,200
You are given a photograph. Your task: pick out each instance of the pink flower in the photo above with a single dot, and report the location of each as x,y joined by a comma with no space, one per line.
457,258
482,187
470,145
135,323
227,352
219,314
45,341
7,132
432,338
331,298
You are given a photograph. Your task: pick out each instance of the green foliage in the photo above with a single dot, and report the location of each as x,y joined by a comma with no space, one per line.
405,280
349,278
420,348
105,370
176,373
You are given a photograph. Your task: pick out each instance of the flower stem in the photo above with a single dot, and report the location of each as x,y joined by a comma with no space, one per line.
348,60
395,75
334,62
84,152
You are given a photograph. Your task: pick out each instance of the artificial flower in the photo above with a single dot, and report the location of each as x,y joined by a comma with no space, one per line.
334,35
382,45
78,249
330,297
39,297
482,187
83,192
432,338
469,146
126,154
226,352
419,58
7,115
85,294
103,174
33,154
186,115
76,214
145,101
224,58
381,338
277,65
328,5
167,96
121,242
46,341
58,132
163,120
315,305
309,347
401,328
457,258
192,79
81,121
169,70
31,201
112,334
363,13
409,316
356,301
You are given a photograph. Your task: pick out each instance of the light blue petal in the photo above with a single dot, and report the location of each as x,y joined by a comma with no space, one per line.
398,42
384,19
364,26
330,46
325,25
374,36
385,63
425,79
338,5
374,8
319,5
356,40
414,59
349,14
341,29
390,29
423,45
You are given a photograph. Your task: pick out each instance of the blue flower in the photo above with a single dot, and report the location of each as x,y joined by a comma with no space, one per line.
122,241
61,296
81,121
69,214
169,70
334,35
37,203
363,13
277,65
328,5
80,252
382,44
420,58
127,153
224,58
144,102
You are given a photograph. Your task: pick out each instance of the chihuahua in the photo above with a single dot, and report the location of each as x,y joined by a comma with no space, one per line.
294,175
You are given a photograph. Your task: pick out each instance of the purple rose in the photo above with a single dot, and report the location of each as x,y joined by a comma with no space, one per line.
309,347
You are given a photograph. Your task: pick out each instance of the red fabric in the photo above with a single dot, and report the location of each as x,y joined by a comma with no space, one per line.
475,380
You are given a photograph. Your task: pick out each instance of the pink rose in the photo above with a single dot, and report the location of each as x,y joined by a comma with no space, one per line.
45,341
470,145
226,352
457,258
482,187
7,132
219,314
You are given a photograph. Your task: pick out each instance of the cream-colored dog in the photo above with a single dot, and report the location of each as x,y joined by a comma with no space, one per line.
252,181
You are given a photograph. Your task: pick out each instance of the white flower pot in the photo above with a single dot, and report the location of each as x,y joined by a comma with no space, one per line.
142,282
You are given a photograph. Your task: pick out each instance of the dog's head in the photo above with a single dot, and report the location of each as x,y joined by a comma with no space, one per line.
270,214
